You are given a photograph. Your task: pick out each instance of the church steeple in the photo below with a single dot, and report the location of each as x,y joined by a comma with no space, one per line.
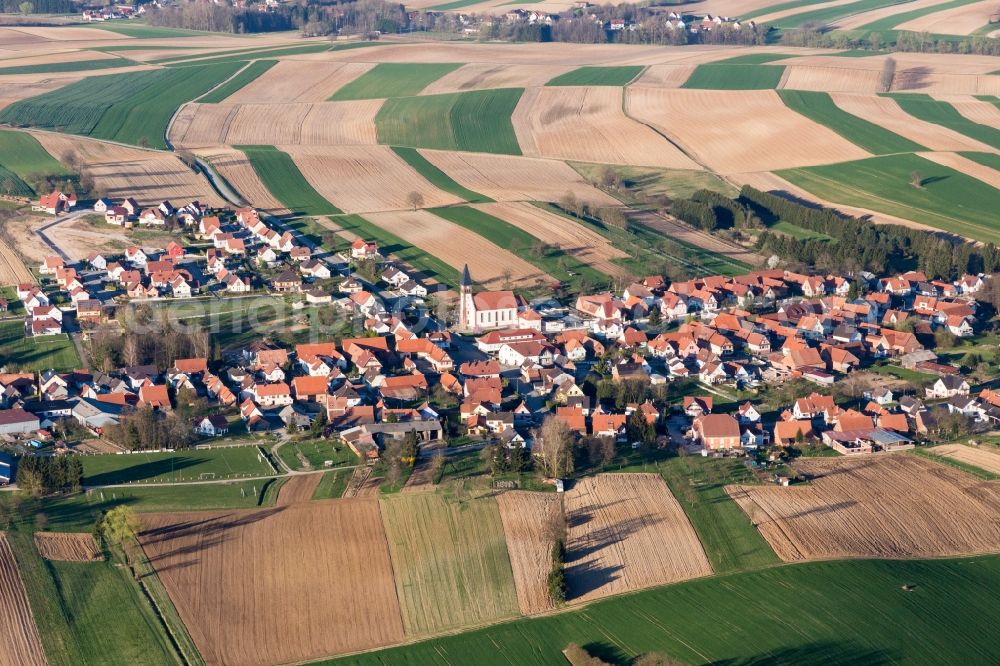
466,277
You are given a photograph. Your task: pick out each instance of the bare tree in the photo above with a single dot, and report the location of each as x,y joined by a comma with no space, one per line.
557,447
415,199
917,180
888,75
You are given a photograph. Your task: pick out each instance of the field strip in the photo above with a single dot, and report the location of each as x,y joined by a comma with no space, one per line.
12,269
589,125
236,169
741,131
983,457
68,546
863,19
513,178
978,111
525,516
883,506
966,166
292,81
886,112
483,76
792,11
362,179
298,488
458,246
963,20
831,79
20,642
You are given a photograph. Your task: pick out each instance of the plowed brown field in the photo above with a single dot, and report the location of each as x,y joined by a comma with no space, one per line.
983,457
273,586
12,269
748,130
298,488
457,246
588,124
525,516
589,247
509,178
483,76
20,643
627,532
68,546
893,505
297,81
831,79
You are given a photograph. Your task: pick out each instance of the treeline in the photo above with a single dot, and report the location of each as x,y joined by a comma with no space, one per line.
861,245
39,6
222,18
144,429
351,18
50,474
147,340
817,37
650,29
710,210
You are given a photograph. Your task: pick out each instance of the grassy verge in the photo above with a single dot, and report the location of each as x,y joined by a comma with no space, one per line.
333,484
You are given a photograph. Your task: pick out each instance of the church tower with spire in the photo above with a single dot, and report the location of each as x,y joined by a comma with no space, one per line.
467,306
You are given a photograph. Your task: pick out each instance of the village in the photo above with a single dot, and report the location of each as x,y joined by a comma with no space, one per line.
695,366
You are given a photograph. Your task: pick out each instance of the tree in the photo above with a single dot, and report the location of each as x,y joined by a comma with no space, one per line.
557,574
26,7
437,464
888,74
556,446
639,429
916,180
29,481
655,319
415,199
119,526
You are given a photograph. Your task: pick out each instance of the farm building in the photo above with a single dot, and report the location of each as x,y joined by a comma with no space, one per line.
17,422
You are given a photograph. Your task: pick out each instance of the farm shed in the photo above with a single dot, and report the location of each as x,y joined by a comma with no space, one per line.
17,422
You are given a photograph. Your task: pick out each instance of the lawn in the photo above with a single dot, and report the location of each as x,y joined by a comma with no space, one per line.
598,76
332,485
316,452
719,76
816,613
450,560
730,541
819,107
186,465
557,263
283,179
89,613
51,352
394,79
798,232
244,78
72,66
437,177
21,157
476,121
947,199
931,110
131,107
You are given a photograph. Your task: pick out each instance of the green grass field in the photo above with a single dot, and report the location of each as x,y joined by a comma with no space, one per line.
730,541
72,66
132,107
556,263
780,7
317,452
187,465
450,561
477,121
437,177
598,76
807,614
819,107
720,76
641,184
332,485
89,613
140,30
992,160
21,157
796,231
284,180
829,14
890,22
394,79
246,56
238,82
931,110
51,352
948,200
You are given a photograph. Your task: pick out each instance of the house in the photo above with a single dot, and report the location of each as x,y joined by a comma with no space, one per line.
717,432
272,395
362,249
947,387
117,215
155,396
747,413
55,203
696,406
788,432
287,281
215,425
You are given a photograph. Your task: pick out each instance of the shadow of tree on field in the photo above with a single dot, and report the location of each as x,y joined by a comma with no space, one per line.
843,653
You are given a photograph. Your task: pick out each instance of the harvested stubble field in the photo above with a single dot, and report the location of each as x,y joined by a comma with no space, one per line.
450,560
332,593
525,516
12,269
962,20
298,488
68,546
987,458
300,81
484,76
582,243
885,112
589,125
307,123
892,506
457,246
509,178
148,176
235,168
627,532
831,79
20,643
362,179
771,136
